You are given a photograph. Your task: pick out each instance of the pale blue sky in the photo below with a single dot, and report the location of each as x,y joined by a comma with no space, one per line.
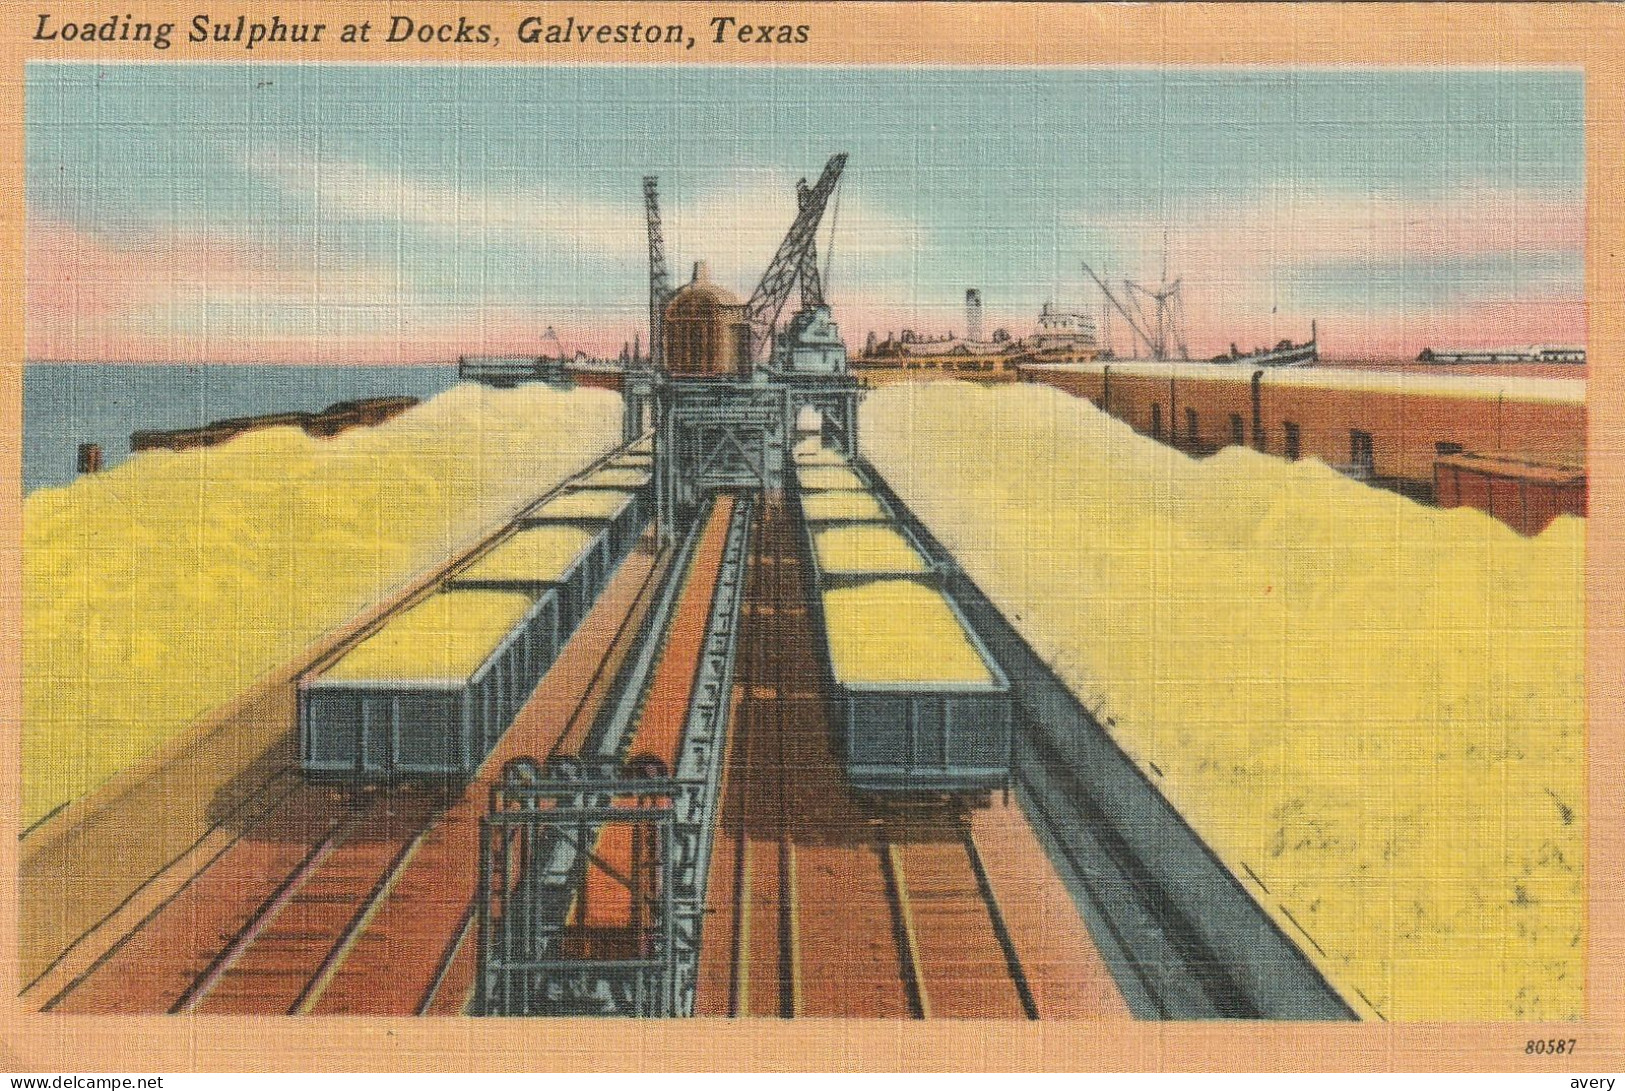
507,194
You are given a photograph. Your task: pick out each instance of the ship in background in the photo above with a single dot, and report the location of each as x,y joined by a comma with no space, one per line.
1059,336
1284,354
1519,354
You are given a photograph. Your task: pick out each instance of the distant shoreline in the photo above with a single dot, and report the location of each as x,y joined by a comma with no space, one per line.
236,363
66,404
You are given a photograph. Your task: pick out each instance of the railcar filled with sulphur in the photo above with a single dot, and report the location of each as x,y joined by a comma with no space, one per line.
572,559
923,707
431,691
623,513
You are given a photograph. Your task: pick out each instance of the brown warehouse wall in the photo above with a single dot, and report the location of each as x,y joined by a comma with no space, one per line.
1405,428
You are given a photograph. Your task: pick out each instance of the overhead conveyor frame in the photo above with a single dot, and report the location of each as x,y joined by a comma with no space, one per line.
554,816
535,839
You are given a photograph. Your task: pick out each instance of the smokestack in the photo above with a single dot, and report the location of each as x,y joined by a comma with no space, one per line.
90,458
973,315
702,275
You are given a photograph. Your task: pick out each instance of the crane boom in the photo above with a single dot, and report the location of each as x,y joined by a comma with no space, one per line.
1176,319
659,276
1117,304
1170,315
1153,345
812,285
796,254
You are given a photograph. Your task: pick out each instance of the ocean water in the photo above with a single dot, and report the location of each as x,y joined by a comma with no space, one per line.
65,405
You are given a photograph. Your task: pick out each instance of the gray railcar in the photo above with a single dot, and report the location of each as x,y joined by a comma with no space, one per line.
921,733
393,725
578,581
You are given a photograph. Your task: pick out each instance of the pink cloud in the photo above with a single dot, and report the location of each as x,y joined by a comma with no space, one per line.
1287,227
97,297
197,297
1240,264
75,271
1358,337
70,273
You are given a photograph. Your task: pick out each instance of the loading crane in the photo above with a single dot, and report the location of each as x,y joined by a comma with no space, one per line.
638,386
728,389
659,277
796,260
1169,321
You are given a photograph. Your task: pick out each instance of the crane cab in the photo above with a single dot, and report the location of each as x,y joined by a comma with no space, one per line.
811,345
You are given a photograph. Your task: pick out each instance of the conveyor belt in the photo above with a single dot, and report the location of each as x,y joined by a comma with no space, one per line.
272,917
561,842
827,907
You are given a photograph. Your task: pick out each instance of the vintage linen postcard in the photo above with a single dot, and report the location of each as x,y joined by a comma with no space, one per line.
812,536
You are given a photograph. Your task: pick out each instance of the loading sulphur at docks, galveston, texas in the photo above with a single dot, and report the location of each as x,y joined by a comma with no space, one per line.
531,30
724,705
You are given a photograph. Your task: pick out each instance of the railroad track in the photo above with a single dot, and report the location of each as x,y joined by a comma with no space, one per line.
959,956
124,976
765,941
266,926
838,908
175,957
280,959
1182,937
293,914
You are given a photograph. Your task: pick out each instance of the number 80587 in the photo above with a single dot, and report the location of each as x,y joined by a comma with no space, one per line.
1550,1045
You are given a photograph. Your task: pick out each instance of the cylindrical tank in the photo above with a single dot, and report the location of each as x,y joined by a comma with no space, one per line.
705,332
